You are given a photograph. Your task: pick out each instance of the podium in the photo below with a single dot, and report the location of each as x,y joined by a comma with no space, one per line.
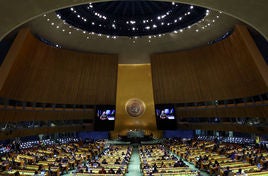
135,136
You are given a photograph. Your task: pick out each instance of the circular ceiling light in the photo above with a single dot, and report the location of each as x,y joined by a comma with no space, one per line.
132,18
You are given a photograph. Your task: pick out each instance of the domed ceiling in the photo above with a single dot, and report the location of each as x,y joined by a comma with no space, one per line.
132,18
132,29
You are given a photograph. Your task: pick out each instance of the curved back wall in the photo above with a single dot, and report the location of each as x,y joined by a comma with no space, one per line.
37,72
232,68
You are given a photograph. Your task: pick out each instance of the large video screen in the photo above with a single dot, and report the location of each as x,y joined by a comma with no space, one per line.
105,117
165,117
165,113
106,114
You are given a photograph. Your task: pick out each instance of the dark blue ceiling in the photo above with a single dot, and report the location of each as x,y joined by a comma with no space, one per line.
132,18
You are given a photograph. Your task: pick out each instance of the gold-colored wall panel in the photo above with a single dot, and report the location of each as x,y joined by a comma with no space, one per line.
134,81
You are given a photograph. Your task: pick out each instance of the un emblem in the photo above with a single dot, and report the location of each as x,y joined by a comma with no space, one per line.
135,107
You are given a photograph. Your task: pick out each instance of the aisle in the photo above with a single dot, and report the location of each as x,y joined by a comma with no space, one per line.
191,166
134,164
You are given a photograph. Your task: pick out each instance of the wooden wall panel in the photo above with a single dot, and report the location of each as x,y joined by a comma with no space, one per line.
224,70
257,111
41,73
18,46
21,115
9,134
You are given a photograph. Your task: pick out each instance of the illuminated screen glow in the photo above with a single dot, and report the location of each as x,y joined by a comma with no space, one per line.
106,114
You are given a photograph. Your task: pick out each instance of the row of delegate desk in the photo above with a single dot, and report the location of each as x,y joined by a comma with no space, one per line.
49,159
193,152
165,165
113,153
